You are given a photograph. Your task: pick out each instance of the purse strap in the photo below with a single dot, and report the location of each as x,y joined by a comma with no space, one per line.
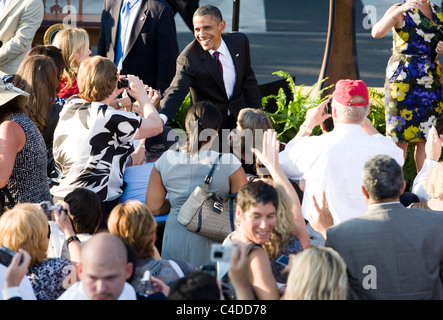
208,178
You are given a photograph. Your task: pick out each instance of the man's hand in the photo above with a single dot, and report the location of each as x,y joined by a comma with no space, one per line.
17,269
321,219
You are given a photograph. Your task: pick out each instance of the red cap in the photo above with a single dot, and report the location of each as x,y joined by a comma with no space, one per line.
346,89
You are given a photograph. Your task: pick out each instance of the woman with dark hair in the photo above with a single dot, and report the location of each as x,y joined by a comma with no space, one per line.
85,214
38,76
191,164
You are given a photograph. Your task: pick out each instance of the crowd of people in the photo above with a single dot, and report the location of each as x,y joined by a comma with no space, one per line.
93,176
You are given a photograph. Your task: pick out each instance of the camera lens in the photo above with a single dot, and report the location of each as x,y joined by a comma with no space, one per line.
218,254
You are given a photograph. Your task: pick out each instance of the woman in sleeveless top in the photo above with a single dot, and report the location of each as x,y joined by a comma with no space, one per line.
413,86
22,151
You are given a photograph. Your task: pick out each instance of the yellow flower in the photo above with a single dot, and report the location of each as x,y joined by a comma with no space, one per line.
407,114
439,15
401,40
398,90
410,133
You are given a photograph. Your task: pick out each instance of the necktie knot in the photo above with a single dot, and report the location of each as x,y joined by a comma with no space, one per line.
216,55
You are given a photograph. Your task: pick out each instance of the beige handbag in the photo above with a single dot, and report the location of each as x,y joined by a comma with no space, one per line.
208,214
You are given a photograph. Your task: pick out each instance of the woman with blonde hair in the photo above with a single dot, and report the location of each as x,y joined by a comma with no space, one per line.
133,222
74,43
25,226
317,273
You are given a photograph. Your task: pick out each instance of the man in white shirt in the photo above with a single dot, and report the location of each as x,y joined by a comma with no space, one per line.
104,271
333,162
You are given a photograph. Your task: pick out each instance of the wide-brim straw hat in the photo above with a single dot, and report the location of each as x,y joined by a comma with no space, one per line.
9,92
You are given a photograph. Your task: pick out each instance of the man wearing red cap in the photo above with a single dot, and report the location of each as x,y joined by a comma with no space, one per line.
333,162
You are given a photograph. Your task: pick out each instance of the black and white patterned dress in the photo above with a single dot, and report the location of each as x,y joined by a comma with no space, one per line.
92,142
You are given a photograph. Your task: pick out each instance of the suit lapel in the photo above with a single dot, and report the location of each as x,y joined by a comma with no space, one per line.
138,25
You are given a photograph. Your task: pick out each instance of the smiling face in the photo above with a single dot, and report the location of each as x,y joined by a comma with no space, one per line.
208,31
257,222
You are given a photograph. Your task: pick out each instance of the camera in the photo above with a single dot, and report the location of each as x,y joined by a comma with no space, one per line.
123,83
47,208
6,256
209,269
328,124
220,253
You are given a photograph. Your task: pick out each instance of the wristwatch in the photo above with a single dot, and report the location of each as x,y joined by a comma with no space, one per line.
70,239
119,103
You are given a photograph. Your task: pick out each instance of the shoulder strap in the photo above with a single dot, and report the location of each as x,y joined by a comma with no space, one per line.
208,178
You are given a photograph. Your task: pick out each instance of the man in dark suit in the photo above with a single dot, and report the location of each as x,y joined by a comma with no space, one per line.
391,252
231,87
150,46
186,9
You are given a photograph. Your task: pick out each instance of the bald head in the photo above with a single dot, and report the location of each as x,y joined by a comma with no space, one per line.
104,268
103,248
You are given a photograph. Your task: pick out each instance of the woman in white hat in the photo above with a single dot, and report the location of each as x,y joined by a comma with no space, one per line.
23,158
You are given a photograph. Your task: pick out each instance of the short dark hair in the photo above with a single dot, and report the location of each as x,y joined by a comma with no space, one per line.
196,285
382,177
208,9
256,192
85,206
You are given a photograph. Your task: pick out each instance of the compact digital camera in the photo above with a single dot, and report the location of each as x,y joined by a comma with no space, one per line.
220,253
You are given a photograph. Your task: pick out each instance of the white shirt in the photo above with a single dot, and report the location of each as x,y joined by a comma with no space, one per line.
229,73
333,162
24,290
418,187
77,292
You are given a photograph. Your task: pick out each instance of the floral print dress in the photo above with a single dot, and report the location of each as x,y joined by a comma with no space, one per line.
413,87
